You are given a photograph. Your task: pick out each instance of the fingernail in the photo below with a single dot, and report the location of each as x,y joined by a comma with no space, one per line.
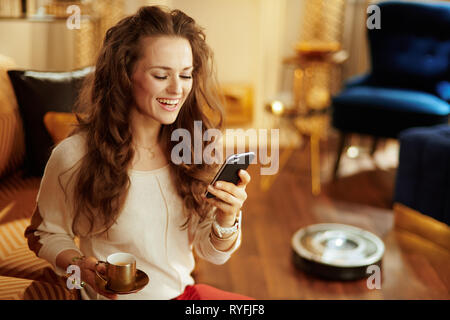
210,187
218,184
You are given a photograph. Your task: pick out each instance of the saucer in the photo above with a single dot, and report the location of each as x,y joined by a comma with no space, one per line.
141,281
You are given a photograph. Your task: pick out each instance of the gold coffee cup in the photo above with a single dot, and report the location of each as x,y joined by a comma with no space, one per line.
120,272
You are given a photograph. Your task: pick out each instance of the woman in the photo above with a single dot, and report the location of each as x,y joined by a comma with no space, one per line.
112,183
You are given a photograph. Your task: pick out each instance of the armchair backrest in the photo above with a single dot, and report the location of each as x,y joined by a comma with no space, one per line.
412,48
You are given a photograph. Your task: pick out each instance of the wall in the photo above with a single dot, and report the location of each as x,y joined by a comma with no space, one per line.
355,38
28,43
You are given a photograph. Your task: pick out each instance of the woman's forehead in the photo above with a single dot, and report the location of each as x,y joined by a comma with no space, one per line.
168,52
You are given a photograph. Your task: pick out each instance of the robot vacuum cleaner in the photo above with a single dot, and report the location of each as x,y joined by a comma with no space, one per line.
336,251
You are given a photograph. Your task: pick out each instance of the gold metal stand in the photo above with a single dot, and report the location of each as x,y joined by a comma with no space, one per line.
313,125
316,127
316,77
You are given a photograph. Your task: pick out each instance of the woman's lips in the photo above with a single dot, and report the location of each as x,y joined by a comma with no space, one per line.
168,104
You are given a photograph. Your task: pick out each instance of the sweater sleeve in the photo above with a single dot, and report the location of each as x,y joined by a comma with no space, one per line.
204,247
50,230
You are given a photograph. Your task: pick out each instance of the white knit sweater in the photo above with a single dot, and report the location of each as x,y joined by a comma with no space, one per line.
148,226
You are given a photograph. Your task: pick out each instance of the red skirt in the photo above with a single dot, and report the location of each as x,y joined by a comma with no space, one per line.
205,292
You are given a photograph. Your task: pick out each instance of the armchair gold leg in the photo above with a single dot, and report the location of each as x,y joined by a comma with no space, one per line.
315,164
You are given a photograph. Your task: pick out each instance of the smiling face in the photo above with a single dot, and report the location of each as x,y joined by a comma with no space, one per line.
162,77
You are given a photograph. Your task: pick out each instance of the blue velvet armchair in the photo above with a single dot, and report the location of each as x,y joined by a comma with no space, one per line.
409,82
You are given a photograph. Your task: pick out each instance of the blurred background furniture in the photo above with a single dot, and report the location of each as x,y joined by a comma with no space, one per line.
408,82
22,274
422,190
316,55
315,78
238,103
423,174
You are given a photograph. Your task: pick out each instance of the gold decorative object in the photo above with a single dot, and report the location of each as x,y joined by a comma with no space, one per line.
315,76
320,41
321,28
299,90
315,126
316,55
312,47
104,14
238,103
109,13
86,43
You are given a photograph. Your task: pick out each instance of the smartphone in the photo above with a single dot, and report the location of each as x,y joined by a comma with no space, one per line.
229,171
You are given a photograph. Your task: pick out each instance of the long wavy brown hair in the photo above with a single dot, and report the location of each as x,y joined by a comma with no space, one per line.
103,111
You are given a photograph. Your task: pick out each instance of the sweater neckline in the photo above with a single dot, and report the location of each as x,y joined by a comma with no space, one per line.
147,172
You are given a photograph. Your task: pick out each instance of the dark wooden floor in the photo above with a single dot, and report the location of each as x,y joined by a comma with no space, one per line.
262,267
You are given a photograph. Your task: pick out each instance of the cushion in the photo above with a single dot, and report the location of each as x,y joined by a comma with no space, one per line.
24,289
17,197
12,145
386,111
22,274
12,237
23,263
411,49
59,124
411,61
443,90
394,99
38,93
16,259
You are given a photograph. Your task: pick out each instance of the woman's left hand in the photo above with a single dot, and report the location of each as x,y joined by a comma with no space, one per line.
229,198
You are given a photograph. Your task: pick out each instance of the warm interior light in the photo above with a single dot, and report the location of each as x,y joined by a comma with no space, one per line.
352,152
317,97
277,107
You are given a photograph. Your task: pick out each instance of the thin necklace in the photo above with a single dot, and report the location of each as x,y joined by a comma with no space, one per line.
148,149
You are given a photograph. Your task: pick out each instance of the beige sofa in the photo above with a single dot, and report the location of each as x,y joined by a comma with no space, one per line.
22,274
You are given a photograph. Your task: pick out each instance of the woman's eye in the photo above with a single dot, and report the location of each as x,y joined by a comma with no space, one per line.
160,77
185,77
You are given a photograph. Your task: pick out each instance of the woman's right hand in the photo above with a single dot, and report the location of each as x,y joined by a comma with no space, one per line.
87,269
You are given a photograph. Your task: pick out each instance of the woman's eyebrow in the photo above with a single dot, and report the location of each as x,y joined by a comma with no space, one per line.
168,68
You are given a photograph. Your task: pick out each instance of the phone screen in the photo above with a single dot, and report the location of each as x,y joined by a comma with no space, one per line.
230,169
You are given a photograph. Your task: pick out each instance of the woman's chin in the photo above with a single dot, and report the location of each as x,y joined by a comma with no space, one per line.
168,119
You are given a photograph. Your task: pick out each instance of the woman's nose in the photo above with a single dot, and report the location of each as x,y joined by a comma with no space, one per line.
175,86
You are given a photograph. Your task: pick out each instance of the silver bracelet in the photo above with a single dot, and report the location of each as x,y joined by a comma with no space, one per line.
221,232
